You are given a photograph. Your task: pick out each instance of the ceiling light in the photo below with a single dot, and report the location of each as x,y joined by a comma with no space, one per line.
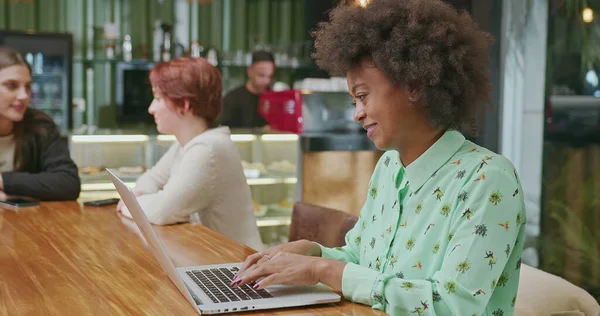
588,15
363,3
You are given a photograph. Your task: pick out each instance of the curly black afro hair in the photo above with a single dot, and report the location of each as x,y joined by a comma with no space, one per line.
422,44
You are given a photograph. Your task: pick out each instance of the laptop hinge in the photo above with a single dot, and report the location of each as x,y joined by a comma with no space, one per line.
197,300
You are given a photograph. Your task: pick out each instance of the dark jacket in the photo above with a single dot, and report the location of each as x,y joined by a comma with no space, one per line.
240,109
49,173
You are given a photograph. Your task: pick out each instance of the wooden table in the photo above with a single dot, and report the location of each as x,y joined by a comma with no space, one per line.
65,259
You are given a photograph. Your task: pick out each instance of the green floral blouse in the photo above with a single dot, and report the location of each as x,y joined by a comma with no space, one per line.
442,236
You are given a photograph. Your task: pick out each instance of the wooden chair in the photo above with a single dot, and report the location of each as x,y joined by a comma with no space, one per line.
320,224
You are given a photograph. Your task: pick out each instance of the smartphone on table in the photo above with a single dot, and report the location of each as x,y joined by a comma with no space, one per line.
101,202
18,203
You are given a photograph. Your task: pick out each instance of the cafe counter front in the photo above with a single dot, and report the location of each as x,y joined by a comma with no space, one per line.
328,169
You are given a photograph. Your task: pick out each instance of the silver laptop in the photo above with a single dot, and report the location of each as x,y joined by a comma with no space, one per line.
207,287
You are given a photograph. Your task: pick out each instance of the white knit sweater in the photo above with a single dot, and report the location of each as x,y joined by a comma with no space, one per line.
204,177
7,153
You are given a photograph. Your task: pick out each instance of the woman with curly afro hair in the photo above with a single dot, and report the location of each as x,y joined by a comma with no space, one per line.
442,228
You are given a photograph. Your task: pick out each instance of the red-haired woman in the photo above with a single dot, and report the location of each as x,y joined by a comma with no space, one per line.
201,175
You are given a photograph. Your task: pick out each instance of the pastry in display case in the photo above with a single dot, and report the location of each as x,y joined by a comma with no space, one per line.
254,170
269,162
259,210
283,167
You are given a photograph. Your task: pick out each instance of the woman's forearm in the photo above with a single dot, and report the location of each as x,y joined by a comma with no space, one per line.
57,185
330,272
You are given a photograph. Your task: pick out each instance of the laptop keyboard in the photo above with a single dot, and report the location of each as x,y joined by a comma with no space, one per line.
215,283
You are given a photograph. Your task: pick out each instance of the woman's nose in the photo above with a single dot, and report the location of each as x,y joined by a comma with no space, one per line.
23,94
359,113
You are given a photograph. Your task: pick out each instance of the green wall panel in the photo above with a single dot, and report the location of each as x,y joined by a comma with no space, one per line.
251,34
166,10
113,10
61,15
284,22
101,15
74,21
29,14
47,16
273,33
204,24
239,20
216,24
102,72
297,20
263,16
192,10
22,16
138,15
252,21
3,15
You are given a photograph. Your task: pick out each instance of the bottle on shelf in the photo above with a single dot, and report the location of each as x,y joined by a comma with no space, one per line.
29,58
38,67
157,41
195,49
212,57
35,93
111,35
127,48
166,42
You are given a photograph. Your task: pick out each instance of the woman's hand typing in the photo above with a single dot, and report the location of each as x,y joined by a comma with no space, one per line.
297,263
282,268
301,247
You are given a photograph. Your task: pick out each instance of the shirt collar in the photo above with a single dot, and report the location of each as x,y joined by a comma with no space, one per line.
424,167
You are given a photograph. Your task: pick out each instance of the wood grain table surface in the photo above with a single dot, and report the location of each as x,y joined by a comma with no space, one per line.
62,258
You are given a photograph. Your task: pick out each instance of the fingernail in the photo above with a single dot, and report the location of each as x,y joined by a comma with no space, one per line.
256,286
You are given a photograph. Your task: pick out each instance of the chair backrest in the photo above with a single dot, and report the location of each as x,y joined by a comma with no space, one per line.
320,224
541,293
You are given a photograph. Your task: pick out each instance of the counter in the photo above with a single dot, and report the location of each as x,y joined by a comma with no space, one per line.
269,161
328,169
335,169
352,141
575,138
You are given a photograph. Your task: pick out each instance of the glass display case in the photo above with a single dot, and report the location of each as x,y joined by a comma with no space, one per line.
269,161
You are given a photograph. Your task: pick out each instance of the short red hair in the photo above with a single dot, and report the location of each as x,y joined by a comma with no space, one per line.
191,79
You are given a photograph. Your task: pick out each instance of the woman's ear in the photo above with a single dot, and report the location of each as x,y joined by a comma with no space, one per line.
414,93
186,106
